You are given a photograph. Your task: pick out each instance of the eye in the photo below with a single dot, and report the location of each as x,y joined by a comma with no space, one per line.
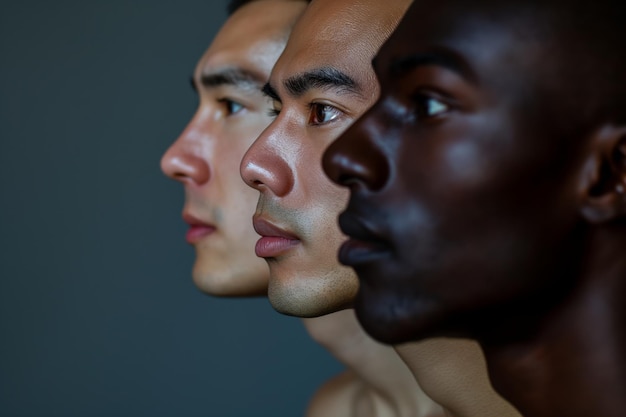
428,106
232,107
320,114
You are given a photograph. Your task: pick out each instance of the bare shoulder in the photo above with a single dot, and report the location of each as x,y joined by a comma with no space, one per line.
337,397
347,395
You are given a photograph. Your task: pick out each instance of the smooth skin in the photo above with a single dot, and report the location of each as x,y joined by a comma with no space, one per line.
487,195
319,90
205,160
313,106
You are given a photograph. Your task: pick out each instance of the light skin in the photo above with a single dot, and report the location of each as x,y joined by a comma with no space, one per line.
317,93
504,157
205,158
319,90
453,373
377,383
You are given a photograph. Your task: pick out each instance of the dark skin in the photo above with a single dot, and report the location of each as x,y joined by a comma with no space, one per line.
487,197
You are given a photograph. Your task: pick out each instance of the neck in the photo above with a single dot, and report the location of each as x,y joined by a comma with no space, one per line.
454,374
377,366
572,364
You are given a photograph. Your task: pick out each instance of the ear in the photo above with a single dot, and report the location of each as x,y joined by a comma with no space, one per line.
604,191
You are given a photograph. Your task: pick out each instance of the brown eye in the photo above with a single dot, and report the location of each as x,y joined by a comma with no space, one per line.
320,114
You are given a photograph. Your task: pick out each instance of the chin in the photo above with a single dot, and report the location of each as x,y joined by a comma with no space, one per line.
385,320
385,331
231,283
306,301
311,292
303,307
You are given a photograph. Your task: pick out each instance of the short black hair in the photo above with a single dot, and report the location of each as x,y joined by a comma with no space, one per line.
234,5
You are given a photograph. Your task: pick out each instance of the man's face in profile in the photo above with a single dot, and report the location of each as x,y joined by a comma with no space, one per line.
205,158
449,220
320,85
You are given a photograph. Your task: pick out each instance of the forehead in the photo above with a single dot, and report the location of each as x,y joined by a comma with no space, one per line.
253,37
330,28
497,44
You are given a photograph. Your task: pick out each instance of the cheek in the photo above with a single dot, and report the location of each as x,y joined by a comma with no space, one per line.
227,172
446,164
319,213
236,199
464,164
236,139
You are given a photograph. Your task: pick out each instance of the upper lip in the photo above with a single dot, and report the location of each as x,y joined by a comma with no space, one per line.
265,228
194,221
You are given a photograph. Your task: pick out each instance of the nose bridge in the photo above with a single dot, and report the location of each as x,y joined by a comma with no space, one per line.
356,156
187,159
266,165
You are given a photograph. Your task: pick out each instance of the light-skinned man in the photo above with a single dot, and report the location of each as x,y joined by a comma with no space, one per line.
321,84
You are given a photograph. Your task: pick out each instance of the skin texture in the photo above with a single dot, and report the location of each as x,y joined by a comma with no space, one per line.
487,195
205,158
377,383
306,280
453,373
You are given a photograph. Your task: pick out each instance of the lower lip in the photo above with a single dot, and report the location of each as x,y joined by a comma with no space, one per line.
353,252
196,233
271,246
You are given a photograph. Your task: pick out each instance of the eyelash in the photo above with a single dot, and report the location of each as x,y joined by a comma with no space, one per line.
274,112
321,106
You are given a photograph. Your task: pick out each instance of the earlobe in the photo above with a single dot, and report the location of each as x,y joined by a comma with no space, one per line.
605,188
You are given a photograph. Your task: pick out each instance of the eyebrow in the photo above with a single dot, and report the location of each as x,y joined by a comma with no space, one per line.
237,77
449,60
325,78
270,91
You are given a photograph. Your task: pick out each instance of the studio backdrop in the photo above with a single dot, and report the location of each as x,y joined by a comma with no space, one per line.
98,313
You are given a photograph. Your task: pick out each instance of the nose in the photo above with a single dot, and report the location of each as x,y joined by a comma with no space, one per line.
265,166
356,158
186,160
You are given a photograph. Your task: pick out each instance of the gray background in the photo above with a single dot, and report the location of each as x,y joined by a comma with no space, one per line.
98,314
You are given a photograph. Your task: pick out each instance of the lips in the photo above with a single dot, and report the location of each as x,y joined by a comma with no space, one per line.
274,241
198,229
364,245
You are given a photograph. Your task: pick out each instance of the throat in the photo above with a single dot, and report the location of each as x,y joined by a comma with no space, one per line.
379,373
573,364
